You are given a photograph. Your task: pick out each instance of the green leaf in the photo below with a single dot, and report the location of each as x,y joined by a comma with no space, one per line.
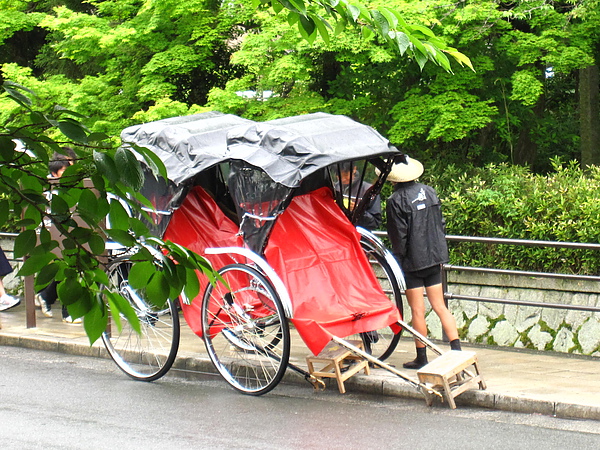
4,209
298,5
322,27
70,291
426,31
97,245
403,42
352,12
462,59
129,168
88,202
118,216
35,263
192,284
307,29
82,306
389,16
73,130
381,22
340,25
106,166
95,322
24,243
442,60
60,110
157,290
97,137
292,18
138,227
47,274
58,205
118,304
7,149
12,90
140,274
277,6
122,237
153,161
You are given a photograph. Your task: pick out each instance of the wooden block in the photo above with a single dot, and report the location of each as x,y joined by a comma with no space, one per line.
449,371
332,359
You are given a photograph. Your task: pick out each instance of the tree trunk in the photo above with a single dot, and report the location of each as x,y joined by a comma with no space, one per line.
589,115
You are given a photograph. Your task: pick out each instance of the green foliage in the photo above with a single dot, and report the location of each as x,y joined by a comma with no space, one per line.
71,209
511,202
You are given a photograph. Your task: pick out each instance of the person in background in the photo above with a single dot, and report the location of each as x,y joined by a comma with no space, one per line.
48,296
416,229
352,189
6,301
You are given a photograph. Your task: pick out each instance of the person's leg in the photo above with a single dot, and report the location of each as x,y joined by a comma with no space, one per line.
417,309
435,294
416,302
47,297
7,301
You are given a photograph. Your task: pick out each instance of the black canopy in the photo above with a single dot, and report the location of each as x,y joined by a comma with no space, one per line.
288,149
187,145
291,149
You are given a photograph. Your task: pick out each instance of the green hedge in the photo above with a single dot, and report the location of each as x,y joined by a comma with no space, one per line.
511,202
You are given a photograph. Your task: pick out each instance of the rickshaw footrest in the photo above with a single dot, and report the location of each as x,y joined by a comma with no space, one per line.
449,372
336,361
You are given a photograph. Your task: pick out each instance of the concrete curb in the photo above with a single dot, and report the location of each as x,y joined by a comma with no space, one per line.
379,383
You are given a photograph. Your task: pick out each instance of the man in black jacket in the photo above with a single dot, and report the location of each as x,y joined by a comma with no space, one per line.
416,230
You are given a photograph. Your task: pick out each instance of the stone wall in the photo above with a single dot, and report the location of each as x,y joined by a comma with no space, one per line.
519,326
12,283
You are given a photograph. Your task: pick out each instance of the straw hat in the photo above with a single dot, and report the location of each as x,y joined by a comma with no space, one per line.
403,172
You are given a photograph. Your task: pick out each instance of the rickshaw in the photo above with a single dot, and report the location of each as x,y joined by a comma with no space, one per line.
264,203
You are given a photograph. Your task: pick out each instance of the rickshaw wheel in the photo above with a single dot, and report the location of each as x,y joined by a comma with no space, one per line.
147,355
382,343
245,330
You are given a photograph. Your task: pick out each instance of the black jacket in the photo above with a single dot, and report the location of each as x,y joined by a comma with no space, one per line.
371,218
416,227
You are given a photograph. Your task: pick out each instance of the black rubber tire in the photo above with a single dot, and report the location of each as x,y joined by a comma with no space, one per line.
386,340
148,355
245,330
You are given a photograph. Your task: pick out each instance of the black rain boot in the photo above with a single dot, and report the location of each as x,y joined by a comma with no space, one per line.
455,345
420,361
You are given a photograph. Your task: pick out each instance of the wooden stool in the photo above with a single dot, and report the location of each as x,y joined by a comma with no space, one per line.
448,371
333,357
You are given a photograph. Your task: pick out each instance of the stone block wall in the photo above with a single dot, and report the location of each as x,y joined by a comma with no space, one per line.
539,328
12,283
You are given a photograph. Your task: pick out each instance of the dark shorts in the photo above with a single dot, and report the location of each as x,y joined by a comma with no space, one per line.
424,277
5,267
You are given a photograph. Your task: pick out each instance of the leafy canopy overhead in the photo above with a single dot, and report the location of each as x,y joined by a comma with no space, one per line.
312,17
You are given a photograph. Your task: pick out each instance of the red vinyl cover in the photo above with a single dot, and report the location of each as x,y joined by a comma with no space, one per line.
198,224
316,252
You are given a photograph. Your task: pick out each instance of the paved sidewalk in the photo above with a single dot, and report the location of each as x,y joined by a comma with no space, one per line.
523,381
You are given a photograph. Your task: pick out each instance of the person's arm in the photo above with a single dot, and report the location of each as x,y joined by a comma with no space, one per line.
397,228
371,218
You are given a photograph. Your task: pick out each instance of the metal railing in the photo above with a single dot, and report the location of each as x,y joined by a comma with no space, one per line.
524,242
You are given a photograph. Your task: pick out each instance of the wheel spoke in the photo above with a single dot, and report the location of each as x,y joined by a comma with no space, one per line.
245,330
147,355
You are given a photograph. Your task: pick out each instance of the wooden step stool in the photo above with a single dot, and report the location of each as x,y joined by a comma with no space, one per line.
449,372
333,357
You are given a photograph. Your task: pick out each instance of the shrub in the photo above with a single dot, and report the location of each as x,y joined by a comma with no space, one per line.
511,202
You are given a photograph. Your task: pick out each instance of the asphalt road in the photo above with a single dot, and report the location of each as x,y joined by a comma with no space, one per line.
57,401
